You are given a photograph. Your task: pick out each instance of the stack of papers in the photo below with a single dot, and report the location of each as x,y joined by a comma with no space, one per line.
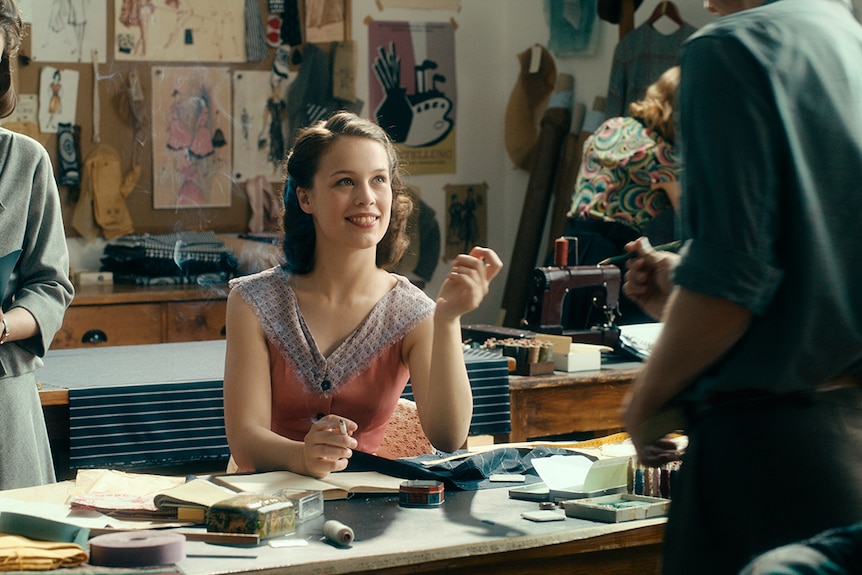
639,339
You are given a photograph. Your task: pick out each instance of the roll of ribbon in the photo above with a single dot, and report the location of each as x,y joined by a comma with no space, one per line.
338,532
137,548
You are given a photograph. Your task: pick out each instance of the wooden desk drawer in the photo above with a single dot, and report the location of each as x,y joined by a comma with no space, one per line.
196,320
128,324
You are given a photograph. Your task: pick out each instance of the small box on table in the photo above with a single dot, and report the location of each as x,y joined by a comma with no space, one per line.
617,508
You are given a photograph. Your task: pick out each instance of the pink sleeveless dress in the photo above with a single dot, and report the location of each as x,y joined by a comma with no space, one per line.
362,379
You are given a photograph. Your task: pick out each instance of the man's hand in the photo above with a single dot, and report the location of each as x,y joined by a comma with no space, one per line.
647,281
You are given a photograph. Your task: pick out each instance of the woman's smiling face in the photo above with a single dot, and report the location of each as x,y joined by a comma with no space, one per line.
351,201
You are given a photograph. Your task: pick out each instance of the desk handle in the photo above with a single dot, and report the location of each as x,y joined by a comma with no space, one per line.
94,336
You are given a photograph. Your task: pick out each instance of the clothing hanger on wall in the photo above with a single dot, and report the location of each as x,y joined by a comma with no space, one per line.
666,8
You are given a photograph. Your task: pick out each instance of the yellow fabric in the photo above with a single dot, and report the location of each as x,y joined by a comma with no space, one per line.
106,181
22,554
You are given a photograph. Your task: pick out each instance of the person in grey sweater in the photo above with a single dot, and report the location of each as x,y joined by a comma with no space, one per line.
34,280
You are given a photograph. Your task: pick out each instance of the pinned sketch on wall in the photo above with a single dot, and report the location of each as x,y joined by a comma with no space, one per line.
70,30
191,137
26,110
412,91
466,218
324,21
179,30
260,124
58,98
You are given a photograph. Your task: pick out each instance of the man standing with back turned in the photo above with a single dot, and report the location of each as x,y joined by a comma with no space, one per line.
762,340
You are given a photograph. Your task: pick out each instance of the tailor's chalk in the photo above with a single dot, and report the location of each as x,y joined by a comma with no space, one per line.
507,478
281,543
342,426
623,257
338,533
543,515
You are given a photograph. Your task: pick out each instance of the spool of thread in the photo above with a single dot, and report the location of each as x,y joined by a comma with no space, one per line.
137,548
561,252
338,533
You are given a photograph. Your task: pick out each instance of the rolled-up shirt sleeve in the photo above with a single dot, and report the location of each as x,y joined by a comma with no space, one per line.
731,204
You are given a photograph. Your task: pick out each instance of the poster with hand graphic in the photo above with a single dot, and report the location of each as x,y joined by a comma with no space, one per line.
413,91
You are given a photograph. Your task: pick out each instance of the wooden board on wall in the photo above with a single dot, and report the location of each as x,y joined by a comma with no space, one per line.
116,130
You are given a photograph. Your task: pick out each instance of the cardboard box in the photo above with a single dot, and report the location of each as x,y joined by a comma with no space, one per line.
617,508
578,360
571,357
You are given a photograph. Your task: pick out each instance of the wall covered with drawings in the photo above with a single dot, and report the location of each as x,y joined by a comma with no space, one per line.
172,102
188,153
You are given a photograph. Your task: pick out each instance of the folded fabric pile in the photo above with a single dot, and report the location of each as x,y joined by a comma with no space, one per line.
23,554
178,258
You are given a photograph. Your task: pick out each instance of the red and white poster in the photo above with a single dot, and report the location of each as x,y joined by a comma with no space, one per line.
413,92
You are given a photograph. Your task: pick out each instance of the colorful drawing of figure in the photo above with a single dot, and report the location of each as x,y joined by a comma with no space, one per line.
137,14
190,193
179,135
202,144
55,103
273,118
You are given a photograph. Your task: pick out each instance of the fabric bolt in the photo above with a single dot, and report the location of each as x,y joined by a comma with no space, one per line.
362,379
639,59
181,255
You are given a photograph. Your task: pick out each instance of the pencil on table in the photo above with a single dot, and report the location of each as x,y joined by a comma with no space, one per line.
623,257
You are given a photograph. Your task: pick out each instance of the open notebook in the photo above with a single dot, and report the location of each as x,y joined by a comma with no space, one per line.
339,485
638,339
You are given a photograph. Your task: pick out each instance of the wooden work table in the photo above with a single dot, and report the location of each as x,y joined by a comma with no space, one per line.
565,403
472,532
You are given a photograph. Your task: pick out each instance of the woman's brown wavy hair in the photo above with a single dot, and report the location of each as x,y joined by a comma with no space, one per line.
656,109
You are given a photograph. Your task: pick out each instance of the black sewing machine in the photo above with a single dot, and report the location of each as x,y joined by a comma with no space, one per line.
581,302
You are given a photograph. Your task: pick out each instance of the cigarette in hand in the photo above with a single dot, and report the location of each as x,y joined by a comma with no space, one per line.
342,426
